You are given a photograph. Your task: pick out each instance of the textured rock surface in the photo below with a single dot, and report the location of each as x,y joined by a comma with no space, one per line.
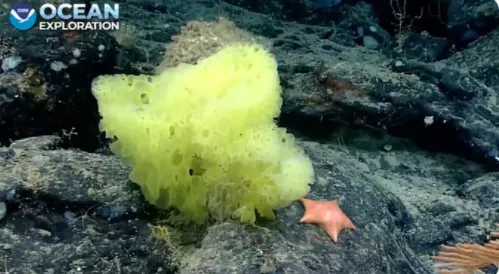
404,203
72,212
403,140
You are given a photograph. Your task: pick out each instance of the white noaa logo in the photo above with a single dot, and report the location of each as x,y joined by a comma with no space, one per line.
22,16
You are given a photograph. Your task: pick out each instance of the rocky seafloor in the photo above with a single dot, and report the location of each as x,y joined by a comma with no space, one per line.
403,130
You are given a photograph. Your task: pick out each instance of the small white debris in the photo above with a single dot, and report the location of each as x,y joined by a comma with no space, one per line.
399,63
11,62
57,66
428,120
101,47
373,28
44,233
387,147
76,53
73,61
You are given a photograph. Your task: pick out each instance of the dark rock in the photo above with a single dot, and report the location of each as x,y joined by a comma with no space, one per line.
426,48
39,142
287,10
348,101
485,190
49,92
65,209
50,222
7,153
462,12
439,109
456,85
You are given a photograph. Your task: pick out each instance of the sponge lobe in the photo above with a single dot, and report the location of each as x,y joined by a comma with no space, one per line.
202,138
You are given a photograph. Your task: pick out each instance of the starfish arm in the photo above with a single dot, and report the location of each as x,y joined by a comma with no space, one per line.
328,215
332,231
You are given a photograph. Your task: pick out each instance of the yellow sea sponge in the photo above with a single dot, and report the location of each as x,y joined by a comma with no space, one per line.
202,138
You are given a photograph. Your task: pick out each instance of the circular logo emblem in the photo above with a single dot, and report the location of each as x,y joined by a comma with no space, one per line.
22,16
